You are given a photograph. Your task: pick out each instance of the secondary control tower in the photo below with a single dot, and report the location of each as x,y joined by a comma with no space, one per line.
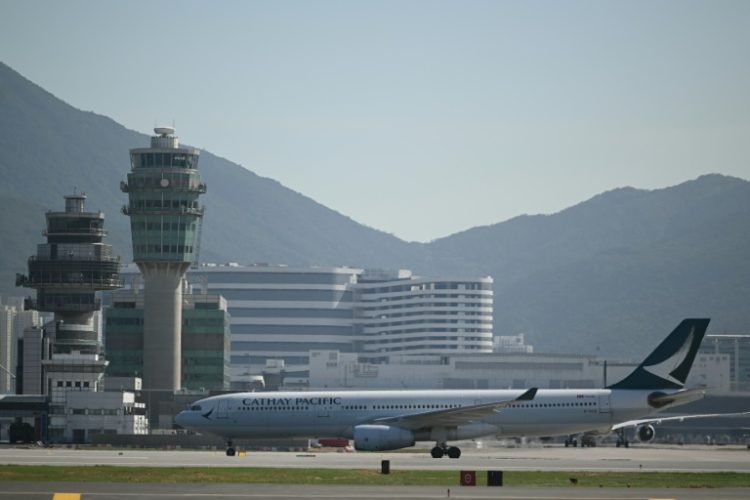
163,187
66,272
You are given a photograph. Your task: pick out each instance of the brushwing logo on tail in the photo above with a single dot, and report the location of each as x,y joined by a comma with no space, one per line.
668,365
665,368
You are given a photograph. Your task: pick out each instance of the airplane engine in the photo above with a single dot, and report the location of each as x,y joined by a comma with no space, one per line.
645,433
381,437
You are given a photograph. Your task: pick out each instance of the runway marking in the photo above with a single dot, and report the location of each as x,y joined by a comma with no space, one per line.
74,454
66,496
84,464
67,460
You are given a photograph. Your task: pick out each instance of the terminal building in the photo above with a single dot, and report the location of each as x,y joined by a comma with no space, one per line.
347,371
412,316
278,314
737,349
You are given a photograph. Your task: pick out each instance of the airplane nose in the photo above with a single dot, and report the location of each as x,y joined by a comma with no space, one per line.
181,419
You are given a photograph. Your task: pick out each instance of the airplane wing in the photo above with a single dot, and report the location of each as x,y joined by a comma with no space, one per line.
678,418
453,416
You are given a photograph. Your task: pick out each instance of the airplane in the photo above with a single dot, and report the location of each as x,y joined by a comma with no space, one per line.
391,419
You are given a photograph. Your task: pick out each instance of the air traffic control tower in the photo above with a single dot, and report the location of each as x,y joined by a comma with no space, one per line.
67,271
163,188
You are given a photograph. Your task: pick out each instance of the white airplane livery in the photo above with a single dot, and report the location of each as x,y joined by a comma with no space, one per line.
388,420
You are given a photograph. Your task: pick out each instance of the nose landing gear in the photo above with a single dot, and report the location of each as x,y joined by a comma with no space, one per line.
230,448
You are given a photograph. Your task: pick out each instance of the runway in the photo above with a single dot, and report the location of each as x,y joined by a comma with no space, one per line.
89,491
684,458
674,459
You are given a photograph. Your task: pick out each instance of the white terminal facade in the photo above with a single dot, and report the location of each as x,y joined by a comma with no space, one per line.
279,314
422,316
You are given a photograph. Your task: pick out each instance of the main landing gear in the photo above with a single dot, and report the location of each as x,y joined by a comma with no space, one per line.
230,448
439,451
621,439
586,441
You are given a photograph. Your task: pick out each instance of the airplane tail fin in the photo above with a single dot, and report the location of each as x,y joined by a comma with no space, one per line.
667,367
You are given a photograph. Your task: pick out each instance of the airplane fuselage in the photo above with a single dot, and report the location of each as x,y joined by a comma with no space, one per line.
337,413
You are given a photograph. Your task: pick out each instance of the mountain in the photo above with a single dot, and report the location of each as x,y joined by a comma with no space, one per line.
609,275
616,272
48,148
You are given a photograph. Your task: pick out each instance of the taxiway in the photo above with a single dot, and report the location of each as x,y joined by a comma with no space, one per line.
674,459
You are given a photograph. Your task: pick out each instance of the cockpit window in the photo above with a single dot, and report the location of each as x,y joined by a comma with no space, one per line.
195,408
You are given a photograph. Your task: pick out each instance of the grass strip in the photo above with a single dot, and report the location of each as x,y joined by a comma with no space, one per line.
113,474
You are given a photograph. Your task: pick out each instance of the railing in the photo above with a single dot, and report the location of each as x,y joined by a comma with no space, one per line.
92,283
177,188
49,305
82,232
126,210
93,274
74,258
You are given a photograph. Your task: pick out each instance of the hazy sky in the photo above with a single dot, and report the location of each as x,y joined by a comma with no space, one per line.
420,118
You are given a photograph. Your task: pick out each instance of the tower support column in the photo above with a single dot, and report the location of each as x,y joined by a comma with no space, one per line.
162,325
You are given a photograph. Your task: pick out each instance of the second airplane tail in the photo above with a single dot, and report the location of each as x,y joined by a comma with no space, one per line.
667,367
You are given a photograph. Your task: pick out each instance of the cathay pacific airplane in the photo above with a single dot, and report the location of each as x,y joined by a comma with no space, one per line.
388,420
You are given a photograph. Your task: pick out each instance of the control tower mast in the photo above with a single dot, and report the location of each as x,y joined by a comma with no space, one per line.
163,188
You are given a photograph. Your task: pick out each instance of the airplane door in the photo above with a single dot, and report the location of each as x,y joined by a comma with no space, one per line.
222,409
604,406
